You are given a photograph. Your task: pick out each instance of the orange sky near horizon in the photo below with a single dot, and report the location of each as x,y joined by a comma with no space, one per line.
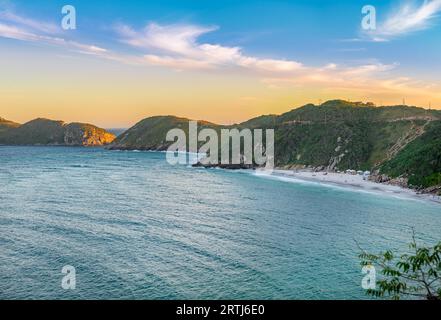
81,88
125,62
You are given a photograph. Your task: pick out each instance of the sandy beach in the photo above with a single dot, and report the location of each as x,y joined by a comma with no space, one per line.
354,182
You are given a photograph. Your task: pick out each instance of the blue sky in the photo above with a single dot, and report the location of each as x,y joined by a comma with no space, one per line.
309,30
279,43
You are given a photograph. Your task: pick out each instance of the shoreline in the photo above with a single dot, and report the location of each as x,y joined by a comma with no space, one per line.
352,182
342,180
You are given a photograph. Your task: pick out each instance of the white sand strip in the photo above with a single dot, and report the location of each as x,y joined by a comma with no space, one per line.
354,182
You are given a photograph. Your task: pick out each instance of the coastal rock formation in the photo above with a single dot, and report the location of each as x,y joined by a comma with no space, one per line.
231,166
401,181
49,132
436,190
225,166
379,178
86,135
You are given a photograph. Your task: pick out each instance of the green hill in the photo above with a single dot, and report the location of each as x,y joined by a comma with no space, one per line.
336,135
49,132
341,135
150,133
6,125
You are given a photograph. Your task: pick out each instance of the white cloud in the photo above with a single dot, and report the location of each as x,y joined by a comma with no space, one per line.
177,46
269,64
339,78
177,63
369,69
406,19
179,39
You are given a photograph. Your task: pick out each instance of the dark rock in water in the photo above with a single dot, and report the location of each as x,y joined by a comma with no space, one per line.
225,166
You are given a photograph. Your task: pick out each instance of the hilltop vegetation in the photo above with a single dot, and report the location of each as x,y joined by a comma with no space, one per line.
150,133
336,135
50,132
420,160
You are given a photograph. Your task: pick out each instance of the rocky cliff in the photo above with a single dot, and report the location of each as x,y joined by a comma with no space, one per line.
86,135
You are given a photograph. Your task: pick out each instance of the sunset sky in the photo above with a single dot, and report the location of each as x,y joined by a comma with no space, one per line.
222,61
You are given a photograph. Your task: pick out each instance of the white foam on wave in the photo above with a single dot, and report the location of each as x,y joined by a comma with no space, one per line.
384,192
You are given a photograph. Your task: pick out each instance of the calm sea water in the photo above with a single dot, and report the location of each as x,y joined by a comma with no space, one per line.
135,227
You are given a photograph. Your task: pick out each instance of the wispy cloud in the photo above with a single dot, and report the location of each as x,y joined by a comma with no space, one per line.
180,47
333,74
177,46
373,80
408,18
13,26
40,26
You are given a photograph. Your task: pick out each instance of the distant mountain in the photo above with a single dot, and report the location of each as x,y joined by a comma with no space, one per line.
116,131
6,125
336,135
50,132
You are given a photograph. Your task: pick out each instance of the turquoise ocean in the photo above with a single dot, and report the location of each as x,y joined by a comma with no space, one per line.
135,227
